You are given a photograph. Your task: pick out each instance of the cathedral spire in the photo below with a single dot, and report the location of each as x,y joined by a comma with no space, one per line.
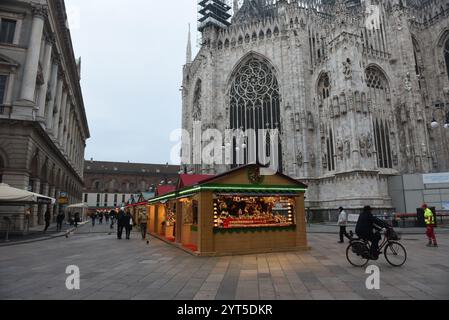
189,49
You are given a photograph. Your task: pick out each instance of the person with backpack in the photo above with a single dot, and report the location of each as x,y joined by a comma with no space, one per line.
129,222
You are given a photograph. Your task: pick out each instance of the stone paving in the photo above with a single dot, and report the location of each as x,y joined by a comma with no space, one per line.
131,269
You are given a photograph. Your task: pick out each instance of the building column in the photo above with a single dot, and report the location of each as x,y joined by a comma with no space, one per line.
35,219
58,104
43,208
42,102
63,112
27,92
68,113
53,91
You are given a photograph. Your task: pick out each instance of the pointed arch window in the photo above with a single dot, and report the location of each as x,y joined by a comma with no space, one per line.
324,86
446,56
383,144
375,79
254,104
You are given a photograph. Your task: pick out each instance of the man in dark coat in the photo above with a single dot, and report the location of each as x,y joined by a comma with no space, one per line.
59,220
129,222
47,217
121,222
368,228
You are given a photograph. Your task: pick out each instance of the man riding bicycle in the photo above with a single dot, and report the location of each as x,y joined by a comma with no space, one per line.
368,228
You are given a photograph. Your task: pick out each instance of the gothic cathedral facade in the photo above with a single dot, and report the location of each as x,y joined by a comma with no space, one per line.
356,89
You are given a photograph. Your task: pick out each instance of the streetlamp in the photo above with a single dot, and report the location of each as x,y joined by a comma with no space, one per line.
440,106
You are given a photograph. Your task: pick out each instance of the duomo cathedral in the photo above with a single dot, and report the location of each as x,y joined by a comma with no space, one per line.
358,89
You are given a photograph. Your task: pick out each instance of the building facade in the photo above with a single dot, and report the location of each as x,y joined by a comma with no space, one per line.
113,184
358,90
43,124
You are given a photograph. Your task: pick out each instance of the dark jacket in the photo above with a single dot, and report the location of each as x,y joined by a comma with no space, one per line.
60,218
112,214
367,223
121,218
47,216
128,219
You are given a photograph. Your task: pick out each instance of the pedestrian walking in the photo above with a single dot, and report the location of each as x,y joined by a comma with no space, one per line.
343,222
100,217
112,215
143,224
128,224
121,222
93,217
77,219
59,220
47,218
430,225
106,216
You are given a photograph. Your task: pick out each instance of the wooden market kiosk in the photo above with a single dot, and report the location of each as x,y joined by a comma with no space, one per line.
238,212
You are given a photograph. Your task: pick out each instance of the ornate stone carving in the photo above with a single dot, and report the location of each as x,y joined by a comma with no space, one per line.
408,82
340,149
39,10
347,69
347,148
300,160
313,160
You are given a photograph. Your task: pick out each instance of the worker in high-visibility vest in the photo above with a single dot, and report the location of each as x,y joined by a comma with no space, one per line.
429,218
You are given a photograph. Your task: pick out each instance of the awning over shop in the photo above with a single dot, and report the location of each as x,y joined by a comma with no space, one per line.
79,205
10,196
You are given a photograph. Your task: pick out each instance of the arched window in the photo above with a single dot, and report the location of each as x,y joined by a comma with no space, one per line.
383,145
197,101
324,86
254,104
446,55
375,79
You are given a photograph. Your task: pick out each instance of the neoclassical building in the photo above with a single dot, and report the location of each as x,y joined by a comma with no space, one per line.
358,89
43,125
112,184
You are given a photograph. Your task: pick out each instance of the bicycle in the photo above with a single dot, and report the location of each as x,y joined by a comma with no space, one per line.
358,251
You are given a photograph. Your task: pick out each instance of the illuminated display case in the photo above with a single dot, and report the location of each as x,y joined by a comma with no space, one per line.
253,211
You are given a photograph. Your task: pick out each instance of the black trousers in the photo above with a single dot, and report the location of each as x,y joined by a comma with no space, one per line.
119,231
128,231
59,226
143,230
47,224
374,238
343,233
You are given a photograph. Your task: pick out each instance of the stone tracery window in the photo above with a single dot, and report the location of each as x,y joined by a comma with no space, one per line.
255,101
324,86
375,79
446,55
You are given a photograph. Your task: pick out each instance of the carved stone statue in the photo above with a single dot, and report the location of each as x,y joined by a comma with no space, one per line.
300,159
362,146
324,160
347,69
340,149
312,160
369,145
347,148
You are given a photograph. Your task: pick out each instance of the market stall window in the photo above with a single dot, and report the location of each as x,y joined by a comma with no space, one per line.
253,211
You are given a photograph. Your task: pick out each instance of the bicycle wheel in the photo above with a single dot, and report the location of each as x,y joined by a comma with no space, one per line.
395,254
356,254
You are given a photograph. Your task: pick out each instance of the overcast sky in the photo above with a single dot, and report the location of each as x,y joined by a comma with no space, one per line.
132,56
